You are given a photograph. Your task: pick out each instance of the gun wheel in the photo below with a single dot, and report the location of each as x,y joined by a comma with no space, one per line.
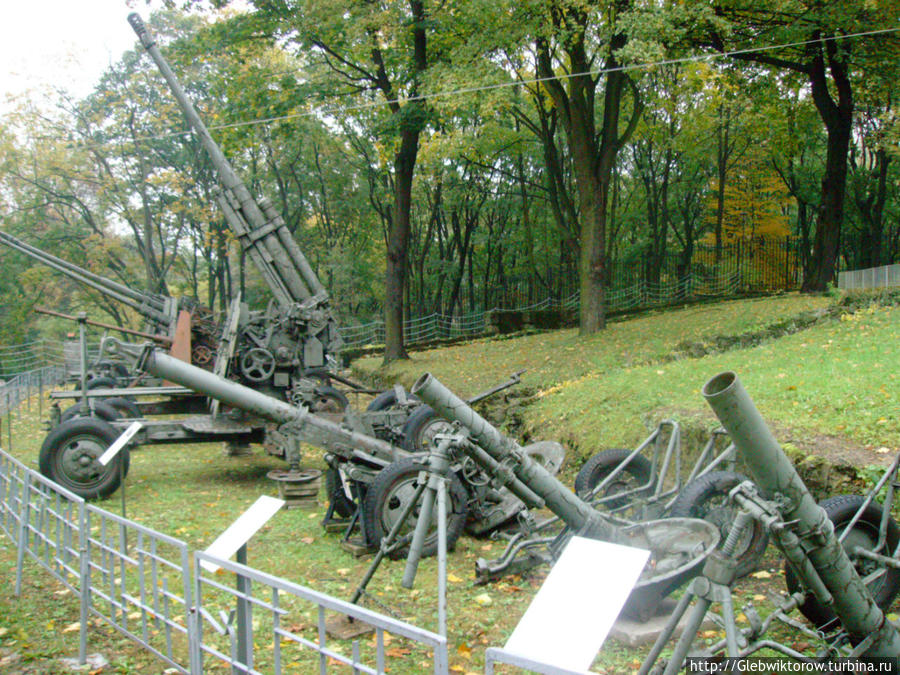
257,364
635,479
69,457
421,428
327,399
389,493
706,497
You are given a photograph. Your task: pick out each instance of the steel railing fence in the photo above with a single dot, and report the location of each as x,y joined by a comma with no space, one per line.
885,276
290,618
144,585
23,386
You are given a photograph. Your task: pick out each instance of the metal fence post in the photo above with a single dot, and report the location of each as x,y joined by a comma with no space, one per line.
23,531
85,574
244,616
8,423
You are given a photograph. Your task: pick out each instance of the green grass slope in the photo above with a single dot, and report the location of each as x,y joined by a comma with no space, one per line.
817,366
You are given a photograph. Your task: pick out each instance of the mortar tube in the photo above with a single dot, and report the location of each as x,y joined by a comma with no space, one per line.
577,514
774,473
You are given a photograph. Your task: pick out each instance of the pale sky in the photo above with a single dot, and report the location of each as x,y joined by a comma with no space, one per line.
63,43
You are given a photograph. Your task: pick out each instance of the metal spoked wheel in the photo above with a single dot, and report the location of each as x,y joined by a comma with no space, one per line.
389,493
421,428
69,457
257,364
706,497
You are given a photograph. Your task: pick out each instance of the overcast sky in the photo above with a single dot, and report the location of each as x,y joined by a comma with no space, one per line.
63,43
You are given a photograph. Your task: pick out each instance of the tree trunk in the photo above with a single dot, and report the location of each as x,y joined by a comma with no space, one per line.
397,249
838,118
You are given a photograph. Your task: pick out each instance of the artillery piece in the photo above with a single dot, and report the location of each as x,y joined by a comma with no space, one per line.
678,546
69,453
182,322
297,334
824,576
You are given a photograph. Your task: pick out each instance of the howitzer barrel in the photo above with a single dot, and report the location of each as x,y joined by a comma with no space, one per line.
573,511
774,473
259,227
149,306
330,434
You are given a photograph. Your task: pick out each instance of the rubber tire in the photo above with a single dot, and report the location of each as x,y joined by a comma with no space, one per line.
90,436
102,382
694,500
102,410
417,426
343,507
403,475
330,400
840,510
385,400
106,383
125,407
603,463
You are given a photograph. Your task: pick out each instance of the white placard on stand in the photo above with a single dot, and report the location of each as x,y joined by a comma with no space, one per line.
240,531
119,443
568,620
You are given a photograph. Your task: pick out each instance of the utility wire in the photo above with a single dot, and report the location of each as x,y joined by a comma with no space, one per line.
324,111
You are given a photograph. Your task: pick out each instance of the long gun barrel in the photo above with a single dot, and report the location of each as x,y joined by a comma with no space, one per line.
154,308
259,227
311,428
163,339
774,473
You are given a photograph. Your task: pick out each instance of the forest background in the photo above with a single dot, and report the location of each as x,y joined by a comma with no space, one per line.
429,156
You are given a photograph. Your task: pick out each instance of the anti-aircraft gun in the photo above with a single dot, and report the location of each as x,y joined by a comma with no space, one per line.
298,332
189,327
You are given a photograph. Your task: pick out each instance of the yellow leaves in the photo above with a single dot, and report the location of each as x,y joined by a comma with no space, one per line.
484,600
762,574
72,627
453,579
464,651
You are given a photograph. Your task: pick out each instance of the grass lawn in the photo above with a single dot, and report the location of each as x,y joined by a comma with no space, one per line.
837,378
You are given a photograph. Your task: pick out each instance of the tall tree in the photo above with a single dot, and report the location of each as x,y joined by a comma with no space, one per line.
577,56
370,50
811,32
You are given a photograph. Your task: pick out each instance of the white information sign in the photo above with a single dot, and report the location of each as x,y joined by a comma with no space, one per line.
119,443
571,615
240,531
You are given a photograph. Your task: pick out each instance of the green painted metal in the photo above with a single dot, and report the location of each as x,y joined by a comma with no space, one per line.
775,474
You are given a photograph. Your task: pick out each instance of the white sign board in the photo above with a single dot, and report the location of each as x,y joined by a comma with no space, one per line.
571,615
240,531
119,443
